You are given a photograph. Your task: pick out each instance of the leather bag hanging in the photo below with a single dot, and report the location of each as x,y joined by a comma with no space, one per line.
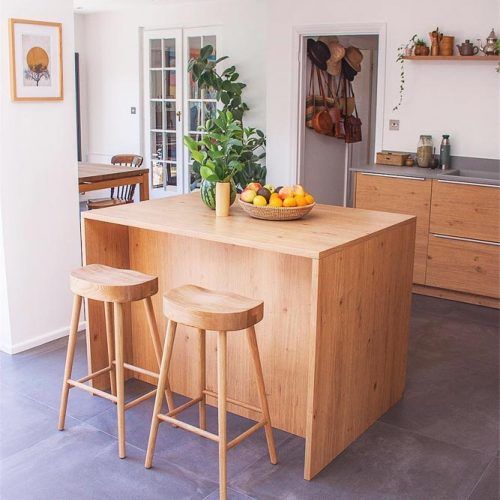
322,121
352,124
315,100
335,111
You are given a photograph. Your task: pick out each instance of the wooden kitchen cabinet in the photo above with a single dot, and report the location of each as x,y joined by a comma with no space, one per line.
465,210
397,194
464,265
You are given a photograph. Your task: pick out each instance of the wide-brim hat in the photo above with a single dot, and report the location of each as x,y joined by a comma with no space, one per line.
348,71
318,52
328,39
337,52
353,56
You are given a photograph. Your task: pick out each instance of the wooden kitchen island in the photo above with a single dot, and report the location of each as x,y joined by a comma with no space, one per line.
337,291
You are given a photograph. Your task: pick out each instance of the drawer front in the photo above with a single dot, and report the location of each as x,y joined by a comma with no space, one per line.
465,266
403,195
465,210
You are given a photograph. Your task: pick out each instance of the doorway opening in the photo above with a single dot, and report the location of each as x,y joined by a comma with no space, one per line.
323,162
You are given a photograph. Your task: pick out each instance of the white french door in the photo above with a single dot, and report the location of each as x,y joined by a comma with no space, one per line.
174,106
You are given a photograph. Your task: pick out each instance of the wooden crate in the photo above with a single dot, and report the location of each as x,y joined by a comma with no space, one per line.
394,158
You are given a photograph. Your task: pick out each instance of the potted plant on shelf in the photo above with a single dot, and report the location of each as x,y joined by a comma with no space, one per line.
227,90
404,50
219,155
421,48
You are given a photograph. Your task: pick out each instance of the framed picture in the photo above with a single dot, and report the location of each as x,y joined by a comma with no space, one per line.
36,60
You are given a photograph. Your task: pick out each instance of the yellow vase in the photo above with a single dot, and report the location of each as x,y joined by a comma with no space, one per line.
222,199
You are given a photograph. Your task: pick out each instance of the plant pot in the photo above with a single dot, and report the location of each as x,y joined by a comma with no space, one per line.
222,198
421,50
207,192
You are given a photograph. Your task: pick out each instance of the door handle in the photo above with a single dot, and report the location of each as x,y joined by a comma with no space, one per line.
395,176
471,240
178,116
469,183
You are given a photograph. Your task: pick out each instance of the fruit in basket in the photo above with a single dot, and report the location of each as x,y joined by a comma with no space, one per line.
309,198
286,192
254,186
275,201
265,193
298,190
289,202
248,195
301,200
270,187
259,201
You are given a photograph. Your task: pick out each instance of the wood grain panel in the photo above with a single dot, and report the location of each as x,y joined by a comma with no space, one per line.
403,195
283,282
464,266
466,210
357,359
468,298
104,244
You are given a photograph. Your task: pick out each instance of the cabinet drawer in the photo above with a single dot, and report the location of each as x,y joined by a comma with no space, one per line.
465,210
465,266
405,195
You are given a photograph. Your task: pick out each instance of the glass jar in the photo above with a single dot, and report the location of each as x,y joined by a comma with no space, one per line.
424,151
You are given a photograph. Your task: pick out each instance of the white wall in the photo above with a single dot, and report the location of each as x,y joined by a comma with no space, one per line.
38,194
459,98
109,46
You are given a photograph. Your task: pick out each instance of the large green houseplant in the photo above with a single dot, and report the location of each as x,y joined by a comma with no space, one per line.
228,91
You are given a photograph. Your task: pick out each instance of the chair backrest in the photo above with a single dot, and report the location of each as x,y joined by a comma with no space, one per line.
126,192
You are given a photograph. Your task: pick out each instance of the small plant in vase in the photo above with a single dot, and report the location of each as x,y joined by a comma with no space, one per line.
421,48
220,156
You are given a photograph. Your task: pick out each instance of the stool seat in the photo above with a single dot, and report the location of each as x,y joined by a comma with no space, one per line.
109,284
211,310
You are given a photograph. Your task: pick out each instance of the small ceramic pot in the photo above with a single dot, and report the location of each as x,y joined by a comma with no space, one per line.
222,199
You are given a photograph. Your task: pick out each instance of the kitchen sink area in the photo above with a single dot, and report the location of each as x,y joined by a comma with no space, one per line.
471,176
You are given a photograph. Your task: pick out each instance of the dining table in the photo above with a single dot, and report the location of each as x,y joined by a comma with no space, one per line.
95,176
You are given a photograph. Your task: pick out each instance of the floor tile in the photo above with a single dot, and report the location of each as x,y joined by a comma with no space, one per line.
231,495
188,450
384,463
83,463
488,486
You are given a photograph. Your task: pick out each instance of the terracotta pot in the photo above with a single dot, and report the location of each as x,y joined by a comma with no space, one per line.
446,46
421,50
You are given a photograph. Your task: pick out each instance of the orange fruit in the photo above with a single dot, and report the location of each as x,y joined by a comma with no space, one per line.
301,200
259,201
275,201
275,195
289,202
309,199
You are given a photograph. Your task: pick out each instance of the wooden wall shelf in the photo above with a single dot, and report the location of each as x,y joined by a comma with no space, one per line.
453,58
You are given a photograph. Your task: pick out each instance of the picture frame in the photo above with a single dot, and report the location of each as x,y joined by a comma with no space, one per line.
36,65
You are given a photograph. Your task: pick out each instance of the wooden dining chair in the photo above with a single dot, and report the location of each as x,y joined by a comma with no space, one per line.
122,194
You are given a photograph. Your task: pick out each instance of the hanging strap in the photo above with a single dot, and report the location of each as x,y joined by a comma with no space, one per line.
354,99
321,89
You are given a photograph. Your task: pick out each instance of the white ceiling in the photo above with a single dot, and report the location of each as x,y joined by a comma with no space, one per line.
84,6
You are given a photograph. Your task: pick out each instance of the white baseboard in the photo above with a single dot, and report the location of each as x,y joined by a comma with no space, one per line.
42,339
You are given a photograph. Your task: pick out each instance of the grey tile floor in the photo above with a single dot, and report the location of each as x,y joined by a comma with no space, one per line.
439,442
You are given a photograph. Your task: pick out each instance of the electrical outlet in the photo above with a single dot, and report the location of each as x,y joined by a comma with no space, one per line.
133,110
393,124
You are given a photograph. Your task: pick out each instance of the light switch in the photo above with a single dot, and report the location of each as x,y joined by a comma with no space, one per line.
133,110
393,124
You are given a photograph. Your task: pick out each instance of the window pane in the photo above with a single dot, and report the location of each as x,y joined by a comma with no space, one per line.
170,87
210,40
171,170
170,116
156,121
171,146
195,118
157,172
155,53
194,52
169,51
157,146
210,109
155,79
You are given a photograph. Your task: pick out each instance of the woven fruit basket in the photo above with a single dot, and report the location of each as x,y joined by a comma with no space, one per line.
275,213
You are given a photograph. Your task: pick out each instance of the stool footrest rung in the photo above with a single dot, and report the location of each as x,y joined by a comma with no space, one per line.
92,390
95,374
234,401
188,427
247,433
139,370
140,399
183,407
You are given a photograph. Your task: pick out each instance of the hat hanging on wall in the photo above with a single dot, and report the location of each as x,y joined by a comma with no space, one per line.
318,52
328,39
334,65
353,56
348,71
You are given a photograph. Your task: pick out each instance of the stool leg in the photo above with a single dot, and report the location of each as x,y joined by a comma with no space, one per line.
202,383
162,382
221,387
254,350
155,338
70,356
108,313
120,377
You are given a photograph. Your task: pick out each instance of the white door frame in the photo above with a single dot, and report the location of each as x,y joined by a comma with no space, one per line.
299,83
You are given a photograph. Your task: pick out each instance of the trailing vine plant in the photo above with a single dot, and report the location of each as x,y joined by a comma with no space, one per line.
250,144
402,52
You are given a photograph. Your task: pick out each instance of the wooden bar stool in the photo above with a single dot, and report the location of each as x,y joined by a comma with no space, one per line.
208,310
114,287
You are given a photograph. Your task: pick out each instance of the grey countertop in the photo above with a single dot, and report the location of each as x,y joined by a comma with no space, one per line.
466,176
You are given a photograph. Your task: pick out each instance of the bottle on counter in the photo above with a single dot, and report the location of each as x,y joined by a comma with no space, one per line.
445,153
424,151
